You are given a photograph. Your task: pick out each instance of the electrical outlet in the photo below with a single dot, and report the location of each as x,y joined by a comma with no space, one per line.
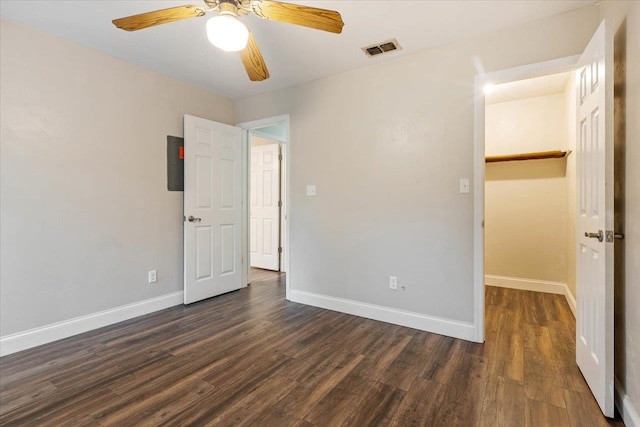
393,282
153,276
311,190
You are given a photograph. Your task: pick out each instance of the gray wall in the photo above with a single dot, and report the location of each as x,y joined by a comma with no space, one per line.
386,146
85,210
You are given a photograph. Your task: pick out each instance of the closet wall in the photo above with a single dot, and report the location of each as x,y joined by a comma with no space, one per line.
527,213
570,184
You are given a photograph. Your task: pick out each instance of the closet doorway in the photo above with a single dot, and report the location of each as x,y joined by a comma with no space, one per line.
530,185
589,184
530,241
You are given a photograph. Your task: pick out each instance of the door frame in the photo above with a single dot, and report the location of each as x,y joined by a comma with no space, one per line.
247,127
523,72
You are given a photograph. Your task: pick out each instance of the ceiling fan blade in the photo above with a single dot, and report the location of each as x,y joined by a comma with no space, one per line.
320,19
149,19
253,61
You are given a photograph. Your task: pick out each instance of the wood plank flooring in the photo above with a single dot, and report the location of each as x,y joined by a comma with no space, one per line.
252,358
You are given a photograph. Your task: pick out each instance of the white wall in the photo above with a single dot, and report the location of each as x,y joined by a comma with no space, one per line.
627,159
526,125
85,207
386,146
526,201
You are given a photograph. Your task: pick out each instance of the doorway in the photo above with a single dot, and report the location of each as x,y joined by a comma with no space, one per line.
594,213
530,185
266,148
484,83
529,230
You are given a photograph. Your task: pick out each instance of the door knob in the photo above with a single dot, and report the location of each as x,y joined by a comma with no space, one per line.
194,219
597,235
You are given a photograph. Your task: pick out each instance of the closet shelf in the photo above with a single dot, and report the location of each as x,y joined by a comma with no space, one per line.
557,154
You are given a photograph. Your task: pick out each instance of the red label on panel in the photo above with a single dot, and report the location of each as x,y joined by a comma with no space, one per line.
181,155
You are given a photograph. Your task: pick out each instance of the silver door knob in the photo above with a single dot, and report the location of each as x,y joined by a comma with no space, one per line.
599,235
194,219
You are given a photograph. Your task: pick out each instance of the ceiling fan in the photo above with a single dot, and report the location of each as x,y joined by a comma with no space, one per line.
226,32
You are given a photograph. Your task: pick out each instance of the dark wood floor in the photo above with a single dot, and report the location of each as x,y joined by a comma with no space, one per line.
251,358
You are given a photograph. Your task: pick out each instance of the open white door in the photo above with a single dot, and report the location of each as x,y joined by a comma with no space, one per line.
264,240
594,320
212,209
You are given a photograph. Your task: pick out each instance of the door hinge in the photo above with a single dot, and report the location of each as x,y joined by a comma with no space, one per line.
280,250
280,157
610,236
279,203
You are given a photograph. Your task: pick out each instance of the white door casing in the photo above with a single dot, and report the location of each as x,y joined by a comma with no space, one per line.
594,275
213,197
264,238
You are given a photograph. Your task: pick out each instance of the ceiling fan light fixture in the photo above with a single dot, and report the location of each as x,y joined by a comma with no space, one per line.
227,33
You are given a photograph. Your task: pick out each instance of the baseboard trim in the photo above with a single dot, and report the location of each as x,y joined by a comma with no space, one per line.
535,285
571,300
452,328
625,407
56,331
525,284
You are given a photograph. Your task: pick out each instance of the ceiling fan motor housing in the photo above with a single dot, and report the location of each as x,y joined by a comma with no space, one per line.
229,7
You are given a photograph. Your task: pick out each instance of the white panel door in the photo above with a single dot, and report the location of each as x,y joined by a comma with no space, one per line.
264,238
594,322
212,209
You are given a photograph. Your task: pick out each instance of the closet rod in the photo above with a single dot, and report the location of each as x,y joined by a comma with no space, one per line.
557,154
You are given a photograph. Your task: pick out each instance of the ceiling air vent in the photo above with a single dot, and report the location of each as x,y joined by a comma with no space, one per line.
380,48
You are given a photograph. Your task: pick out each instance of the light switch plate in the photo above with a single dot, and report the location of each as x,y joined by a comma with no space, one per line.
311,190
464,185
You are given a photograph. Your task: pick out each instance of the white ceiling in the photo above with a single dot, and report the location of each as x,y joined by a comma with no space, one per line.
293,54
529,88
